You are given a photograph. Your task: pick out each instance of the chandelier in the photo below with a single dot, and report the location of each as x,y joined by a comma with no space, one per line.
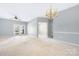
51,13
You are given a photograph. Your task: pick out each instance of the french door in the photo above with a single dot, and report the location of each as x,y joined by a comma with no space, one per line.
42,29
19,29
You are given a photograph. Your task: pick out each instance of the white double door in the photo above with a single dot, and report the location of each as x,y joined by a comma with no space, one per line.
19,29
43,29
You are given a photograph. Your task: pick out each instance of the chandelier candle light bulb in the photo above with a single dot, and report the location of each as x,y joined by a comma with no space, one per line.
51,13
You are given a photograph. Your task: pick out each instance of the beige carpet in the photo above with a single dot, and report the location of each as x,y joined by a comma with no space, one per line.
31,46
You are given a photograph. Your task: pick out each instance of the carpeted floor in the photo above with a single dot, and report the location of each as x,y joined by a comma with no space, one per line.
32,46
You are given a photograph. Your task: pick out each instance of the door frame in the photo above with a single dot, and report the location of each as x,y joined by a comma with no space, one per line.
44,29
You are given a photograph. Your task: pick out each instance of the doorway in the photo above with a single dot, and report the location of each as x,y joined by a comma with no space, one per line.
19,29
42,29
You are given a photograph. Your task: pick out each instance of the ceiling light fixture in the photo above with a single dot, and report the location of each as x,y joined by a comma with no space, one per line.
51,13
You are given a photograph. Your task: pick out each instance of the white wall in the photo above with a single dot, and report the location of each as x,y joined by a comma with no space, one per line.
32,28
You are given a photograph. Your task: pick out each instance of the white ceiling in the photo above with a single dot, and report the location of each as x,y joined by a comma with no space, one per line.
28,11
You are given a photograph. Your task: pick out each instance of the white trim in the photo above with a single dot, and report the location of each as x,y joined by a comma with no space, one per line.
69,43
67,32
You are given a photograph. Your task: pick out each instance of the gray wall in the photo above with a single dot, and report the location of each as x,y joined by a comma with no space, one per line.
67,21
7,27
